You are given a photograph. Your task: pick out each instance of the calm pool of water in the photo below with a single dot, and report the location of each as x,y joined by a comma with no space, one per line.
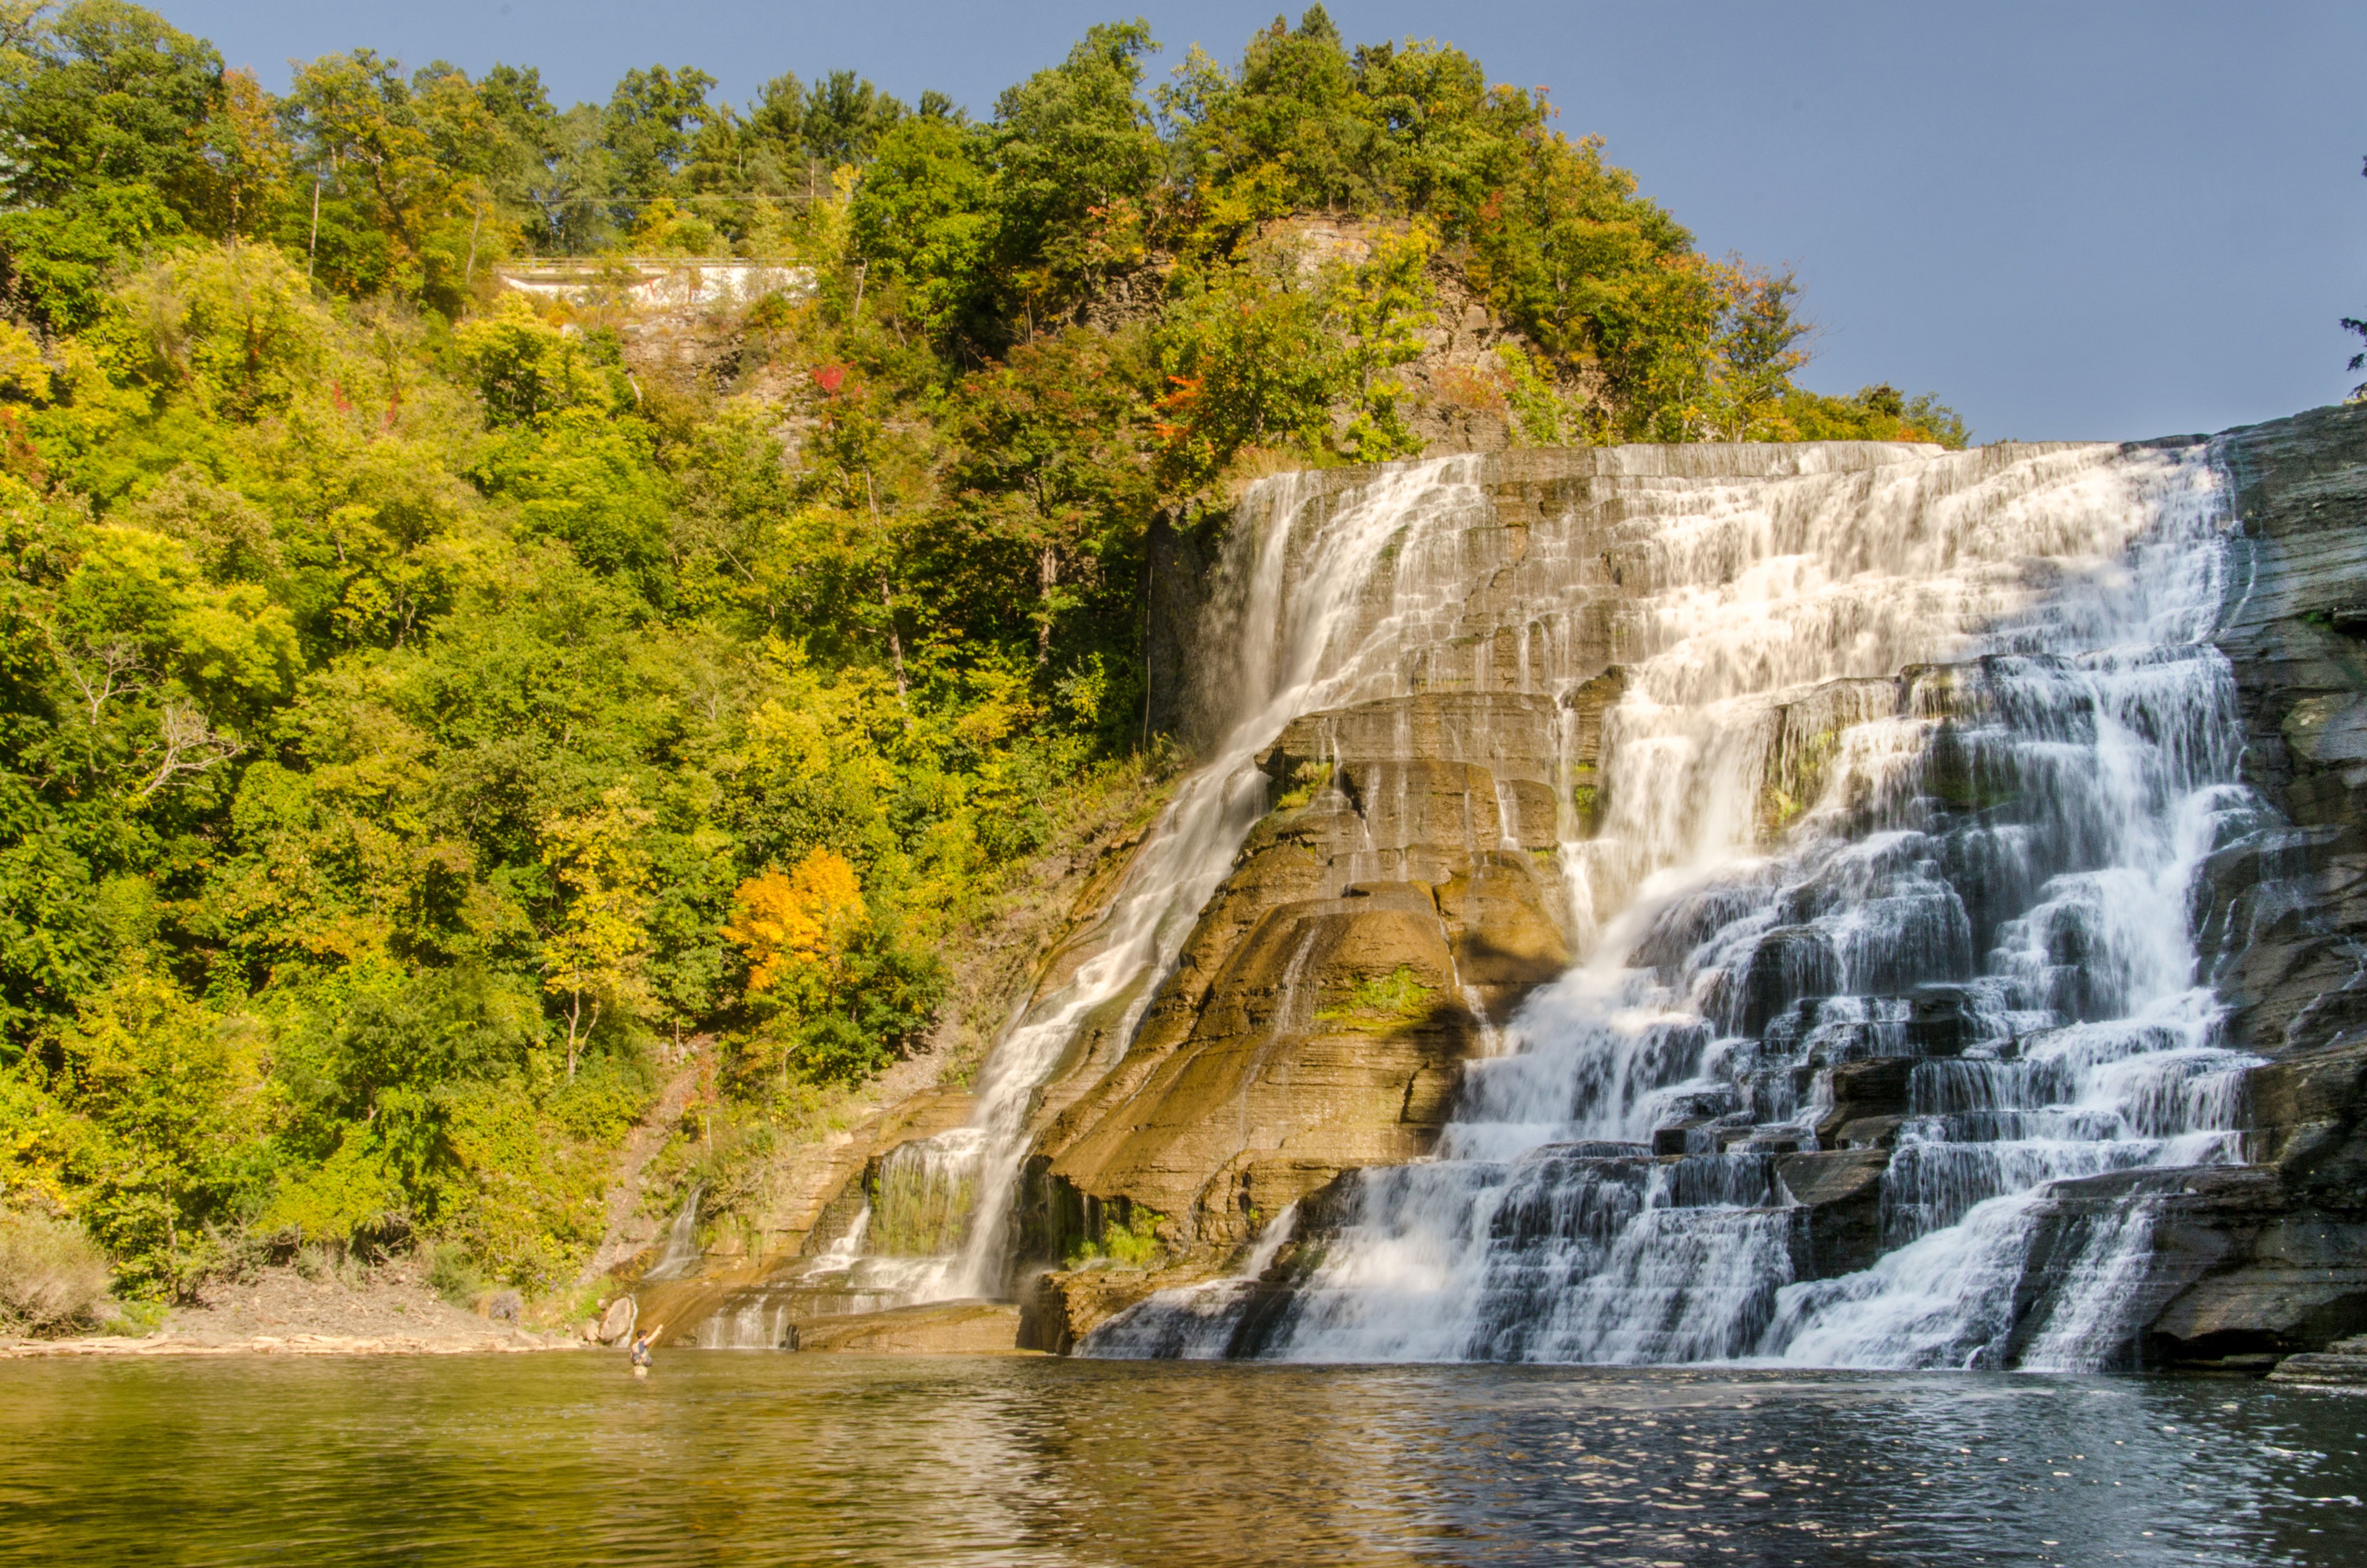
757,1459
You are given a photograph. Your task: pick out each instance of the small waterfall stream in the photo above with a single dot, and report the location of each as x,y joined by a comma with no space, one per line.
681,1257
1900,807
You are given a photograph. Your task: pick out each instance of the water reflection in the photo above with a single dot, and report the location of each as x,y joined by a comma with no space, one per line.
795,1460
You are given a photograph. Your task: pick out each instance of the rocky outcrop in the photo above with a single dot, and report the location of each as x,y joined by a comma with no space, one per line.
939,1328
1401,899
2340,1365
2259,1260
2284,920
1064,1305
2241,1268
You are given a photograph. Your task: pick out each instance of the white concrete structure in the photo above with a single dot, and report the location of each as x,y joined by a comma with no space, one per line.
654,281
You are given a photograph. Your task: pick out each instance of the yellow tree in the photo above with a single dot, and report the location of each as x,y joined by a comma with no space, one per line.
599,955
796,928
1753,351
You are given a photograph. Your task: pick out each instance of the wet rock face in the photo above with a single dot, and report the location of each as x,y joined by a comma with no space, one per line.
2270,1258
1402,897
1869,1102
2243,1265
2286,911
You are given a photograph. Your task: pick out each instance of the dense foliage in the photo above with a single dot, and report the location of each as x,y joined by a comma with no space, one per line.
434,716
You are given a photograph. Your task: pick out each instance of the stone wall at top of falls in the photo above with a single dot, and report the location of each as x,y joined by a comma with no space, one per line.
1193,578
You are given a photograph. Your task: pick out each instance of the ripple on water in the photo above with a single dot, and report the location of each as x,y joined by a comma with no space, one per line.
791,1460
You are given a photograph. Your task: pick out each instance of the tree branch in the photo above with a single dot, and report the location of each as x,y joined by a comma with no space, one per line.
190,745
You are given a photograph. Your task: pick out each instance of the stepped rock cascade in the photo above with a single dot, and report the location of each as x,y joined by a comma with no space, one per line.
1876,785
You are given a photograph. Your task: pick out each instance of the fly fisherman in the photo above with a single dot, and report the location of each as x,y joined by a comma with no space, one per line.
642,1343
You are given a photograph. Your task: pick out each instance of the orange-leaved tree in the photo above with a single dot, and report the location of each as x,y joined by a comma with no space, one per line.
796,928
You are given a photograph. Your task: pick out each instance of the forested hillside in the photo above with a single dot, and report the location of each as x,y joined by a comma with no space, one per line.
433,716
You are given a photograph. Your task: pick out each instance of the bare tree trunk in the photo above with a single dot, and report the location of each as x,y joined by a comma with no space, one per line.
312,244
574,1035
887,598
469,272
1047,576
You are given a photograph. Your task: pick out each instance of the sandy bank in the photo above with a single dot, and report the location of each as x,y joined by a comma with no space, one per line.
389,1309
511,1341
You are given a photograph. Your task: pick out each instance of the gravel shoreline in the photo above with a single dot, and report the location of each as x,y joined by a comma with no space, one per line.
386,1311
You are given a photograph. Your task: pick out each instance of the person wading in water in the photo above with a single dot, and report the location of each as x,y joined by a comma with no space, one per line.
642,1343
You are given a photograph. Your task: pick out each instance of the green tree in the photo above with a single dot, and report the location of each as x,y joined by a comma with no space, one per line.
1284,133
926,219
167,1102
108,96
652,117
842,117
526,369
1052,466
597,954
381,155
1384,303
1249,359
1076,157
108,110
370,1075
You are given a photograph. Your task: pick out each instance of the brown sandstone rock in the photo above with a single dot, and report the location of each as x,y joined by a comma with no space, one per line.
1063,1306
939,1328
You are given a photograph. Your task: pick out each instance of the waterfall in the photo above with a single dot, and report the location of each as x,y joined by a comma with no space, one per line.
681,1255
1886,879
1292,634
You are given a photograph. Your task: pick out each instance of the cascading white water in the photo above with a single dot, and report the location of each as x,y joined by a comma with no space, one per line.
1968,700
1295,618
681,1255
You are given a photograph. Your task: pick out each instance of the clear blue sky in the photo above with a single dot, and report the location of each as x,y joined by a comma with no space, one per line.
2070,220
